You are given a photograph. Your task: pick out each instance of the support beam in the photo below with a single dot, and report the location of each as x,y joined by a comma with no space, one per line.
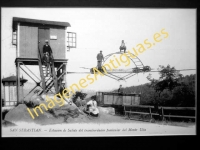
29,75
22,94
64,68
29,70
18,81
58,74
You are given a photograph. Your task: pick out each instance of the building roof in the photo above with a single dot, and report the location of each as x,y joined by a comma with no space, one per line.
13,79
43,22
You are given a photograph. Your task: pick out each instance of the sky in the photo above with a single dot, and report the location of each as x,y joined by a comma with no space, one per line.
104,29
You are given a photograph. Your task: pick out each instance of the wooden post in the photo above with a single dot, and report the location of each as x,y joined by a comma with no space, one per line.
124,111
41,70
103,98
162,113
18,40
113,99
22,93
64,69
4,103
55,79
9,93
150,112
58,75
97,97
18,81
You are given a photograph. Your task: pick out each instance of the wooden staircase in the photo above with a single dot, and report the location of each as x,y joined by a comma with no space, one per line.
49,81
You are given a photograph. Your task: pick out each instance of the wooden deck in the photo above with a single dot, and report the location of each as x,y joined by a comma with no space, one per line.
34,61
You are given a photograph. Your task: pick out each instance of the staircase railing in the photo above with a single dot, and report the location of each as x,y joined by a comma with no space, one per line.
54,80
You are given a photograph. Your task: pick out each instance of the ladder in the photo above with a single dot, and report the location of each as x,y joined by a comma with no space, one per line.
50,81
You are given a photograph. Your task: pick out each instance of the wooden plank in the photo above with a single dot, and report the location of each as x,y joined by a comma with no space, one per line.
55,79
155,114
127,111
34,61
41,71
162,113
28,42
141,113
162,109
139,119
110,93
34,41
137,100
118,100
18,81
22,41
133,100
58,45
179,108
109,99
140,106
179,116
6,100
169,108
134,112
34,21
126,100
150,112
64,69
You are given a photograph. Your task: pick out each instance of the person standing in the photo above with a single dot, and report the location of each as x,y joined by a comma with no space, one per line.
99,59
47,59
120,90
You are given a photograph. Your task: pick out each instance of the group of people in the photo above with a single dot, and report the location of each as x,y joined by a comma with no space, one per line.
91,106
48,56
100,57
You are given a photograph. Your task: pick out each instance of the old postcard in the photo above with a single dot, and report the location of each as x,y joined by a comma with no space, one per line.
88,72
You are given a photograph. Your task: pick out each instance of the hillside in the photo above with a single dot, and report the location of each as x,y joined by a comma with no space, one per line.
182,95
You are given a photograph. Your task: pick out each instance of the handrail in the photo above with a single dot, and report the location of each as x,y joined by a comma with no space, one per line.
160,107
54,79
40,67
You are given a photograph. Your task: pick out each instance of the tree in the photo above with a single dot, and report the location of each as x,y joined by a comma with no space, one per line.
169,79
184,95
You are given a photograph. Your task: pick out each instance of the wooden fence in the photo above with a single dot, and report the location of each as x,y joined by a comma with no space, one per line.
117,99
128,109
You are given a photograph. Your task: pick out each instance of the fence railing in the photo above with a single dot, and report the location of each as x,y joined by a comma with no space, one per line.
128,109
9,103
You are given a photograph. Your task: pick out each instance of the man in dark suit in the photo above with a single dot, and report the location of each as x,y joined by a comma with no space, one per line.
100,58
47,59
120,90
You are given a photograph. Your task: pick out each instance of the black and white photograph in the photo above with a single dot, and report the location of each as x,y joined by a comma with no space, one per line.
98,72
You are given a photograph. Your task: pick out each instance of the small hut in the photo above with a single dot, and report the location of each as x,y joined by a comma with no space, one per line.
10,95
